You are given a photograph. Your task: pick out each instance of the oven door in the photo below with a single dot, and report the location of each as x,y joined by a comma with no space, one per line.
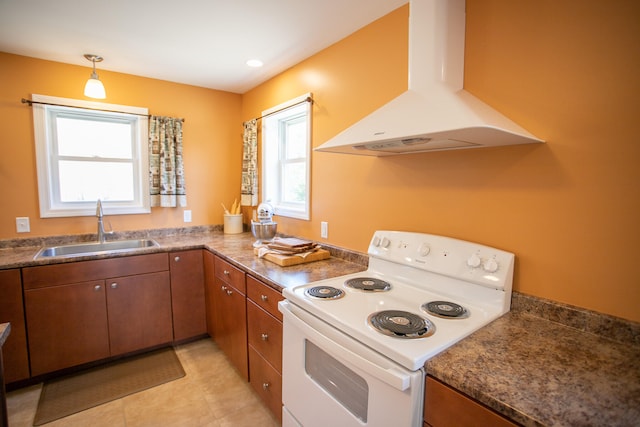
330,379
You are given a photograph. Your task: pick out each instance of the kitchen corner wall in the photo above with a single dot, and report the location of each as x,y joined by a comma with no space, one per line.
212,143
569,209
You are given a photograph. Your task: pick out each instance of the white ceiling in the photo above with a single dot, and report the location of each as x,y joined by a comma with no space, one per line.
198,42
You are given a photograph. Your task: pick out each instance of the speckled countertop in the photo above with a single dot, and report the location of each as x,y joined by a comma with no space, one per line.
5,329
542,364
236,248
546,364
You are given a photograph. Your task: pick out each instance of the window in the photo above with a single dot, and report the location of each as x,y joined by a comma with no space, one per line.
84,154
286,157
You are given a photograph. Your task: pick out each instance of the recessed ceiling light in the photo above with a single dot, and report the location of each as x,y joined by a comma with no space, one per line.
254,63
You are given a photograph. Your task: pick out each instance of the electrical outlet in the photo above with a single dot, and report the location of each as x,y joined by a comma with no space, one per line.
187,216
22,224
324,229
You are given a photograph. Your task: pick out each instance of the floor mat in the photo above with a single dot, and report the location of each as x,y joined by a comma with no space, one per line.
74,393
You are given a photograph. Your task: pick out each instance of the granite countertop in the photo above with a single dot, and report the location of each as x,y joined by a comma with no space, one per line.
5,329
539,372
235,248
542,364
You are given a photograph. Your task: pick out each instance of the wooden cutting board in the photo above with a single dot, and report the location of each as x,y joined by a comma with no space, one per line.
287,260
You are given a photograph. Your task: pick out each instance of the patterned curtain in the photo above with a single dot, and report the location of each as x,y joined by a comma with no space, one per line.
166,171
249,190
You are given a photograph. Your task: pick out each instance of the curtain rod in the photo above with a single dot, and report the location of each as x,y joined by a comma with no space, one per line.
30,102
307,99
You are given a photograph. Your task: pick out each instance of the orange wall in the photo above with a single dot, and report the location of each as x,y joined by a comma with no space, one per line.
212,143
569,209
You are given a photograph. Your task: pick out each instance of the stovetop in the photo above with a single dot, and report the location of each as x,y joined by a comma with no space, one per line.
421,268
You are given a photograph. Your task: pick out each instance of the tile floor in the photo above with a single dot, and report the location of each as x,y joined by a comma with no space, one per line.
212,394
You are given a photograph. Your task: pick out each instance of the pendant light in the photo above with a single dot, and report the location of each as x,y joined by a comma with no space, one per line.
94,87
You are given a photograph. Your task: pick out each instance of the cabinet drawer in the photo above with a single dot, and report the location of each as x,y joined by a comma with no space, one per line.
265,334
264,296
444,406
267,383
85,271
230,274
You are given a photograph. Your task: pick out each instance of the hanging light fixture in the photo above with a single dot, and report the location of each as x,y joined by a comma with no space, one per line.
94,87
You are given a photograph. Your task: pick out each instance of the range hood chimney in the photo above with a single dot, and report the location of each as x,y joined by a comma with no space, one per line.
435,113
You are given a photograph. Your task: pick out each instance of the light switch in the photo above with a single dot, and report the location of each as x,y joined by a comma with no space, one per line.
187,216
22,224
324,229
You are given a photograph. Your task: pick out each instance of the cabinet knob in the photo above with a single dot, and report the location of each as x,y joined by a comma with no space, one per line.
226,272
223,287
114,285
264,337
265,386
229,292
97,287
264,297
176,259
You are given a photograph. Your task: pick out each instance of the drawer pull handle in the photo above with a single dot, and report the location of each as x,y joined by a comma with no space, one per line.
226,272
264,337
114,285
265,386
97,287
264,297
229,292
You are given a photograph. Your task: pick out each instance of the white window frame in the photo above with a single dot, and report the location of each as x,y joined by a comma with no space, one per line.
48,185
272,168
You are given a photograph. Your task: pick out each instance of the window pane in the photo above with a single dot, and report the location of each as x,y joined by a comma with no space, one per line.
293,183
296,139
81,181
92,137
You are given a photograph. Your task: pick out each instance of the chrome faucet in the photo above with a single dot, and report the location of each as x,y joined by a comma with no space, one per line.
101,232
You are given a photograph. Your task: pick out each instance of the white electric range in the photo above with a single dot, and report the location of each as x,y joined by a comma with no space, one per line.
357,344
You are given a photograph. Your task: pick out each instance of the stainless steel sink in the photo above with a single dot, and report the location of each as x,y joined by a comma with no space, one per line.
93,248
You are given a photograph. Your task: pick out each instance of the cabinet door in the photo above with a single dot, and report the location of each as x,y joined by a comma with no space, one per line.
139,312
231,325
67,325
187,294
16,359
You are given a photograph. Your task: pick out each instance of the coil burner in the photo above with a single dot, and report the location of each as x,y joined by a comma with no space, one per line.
401,324
324,292
368,284
446,310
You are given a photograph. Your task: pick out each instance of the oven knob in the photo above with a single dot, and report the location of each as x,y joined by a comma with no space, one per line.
424,249
376,241
490,265
385,242
474,261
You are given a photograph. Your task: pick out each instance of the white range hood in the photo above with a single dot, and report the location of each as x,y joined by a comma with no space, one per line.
435,113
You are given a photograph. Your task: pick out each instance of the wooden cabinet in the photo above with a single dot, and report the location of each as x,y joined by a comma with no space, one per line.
16,358
85,311
445,406
139,310
187,294
67,325
264,326
230,314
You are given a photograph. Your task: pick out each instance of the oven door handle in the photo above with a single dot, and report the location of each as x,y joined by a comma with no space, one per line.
331,340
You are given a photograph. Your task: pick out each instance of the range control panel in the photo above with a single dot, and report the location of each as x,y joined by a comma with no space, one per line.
455,258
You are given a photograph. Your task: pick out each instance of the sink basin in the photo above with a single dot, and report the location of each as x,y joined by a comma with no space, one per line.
92,248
